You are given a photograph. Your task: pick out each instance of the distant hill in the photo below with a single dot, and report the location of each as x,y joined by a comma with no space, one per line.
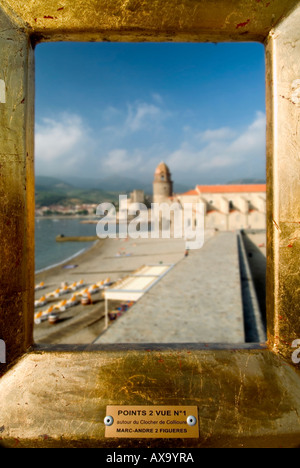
75,190
181,188
111,184
44,183
53,191
247,181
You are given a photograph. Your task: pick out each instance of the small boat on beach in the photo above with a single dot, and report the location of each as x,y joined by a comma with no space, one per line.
42,316
105,283
72,302
86,299
61,306
94,289
64,290
53,318
55,294
40,302
75,286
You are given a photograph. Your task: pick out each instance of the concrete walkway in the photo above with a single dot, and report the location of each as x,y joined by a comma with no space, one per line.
198,301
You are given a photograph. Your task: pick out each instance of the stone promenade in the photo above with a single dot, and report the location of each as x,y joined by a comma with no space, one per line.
198,301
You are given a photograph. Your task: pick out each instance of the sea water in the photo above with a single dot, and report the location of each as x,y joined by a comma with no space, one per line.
48,252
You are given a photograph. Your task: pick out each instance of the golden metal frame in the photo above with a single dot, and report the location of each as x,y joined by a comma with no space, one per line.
56,397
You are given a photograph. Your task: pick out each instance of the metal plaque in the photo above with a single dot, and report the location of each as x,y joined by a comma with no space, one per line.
168,422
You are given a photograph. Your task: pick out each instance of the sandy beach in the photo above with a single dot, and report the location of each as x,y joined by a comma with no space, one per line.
108,259
199,300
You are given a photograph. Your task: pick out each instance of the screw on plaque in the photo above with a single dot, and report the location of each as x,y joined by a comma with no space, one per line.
191,420
108,421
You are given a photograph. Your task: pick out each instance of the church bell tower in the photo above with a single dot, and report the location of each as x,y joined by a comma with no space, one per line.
162,184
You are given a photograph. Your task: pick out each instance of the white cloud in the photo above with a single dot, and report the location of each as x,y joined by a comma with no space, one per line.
119,160
131,147
111,113
157,98
62,145
224,133
136,118
56,138
141,115
253,140
223,153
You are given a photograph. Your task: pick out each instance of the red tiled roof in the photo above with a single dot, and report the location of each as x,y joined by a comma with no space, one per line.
191,192
231,188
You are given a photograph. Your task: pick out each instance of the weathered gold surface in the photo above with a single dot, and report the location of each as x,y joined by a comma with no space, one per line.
283,144
16,189
245,397
200,20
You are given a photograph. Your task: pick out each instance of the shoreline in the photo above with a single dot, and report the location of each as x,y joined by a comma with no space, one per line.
81,256
65,261
108,259
61,257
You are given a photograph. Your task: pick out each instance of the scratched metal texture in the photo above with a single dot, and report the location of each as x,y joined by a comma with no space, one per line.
246,398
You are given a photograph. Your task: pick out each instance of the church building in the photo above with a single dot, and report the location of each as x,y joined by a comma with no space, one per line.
227,207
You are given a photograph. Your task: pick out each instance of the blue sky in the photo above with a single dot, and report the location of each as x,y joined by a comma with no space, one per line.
106,108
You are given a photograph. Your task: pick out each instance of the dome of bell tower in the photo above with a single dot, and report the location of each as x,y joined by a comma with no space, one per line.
162,173
162,184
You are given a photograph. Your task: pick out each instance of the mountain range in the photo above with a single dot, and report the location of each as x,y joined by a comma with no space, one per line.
53,191
77,190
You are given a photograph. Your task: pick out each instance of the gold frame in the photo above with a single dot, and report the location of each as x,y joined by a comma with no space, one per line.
56,396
